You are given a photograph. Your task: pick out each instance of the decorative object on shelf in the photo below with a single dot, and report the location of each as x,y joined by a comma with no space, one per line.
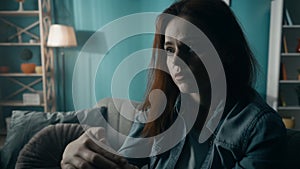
283,73
297,89
298,46
21,5
281,100
285,46
289,122
298,76
288,17
4,69
26,55
62,36
39,69
32,40
32,98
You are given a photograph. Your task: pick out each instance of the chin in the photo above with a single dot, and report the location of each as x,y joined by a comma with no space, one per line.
185,88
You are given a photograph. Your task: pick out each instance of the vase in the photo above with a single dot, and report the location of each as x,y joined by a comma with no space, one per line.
289,122
20,6
28,67
4,69
39,69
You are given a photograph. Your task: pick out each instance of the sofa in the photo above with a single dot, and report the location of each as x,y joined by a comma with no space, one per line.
26,126
44,149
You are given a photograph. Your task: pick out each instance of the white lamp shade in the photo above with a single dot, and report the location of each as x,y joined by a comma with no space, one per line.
61,36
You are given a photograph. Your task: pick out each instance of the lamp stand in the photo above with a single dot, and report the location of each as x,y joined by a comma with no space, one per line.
63,91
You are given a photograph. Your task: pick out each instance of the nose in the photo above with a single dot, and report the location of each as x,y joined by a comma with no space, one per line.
176,60
178,57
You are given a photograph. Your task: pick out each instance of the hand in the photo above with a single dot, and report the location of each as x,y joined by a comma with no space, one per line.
84,153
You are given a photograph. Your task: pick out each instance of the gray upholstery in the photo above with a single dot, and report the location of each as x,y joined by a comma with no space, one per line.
121,124
116,120
23,126
45,149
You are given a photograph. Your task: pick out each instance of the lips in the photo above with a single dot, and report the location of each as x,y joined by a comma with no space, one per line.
178,76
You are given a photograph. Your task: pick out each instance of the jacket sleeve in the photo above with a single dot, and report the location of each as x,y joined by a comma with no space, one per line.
264,143
134,147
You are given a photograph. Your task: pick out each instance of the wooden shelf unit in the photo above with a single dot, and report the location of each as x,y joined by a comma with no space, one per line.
18,103
284,62
41,19
291,26
34,24
20,75
289,81
20,13
295,108
290,54
19,44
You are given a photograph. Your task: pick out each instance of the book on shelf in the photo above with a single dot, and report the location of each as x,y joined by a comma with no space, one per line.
285,46
283,73
281,100
288,17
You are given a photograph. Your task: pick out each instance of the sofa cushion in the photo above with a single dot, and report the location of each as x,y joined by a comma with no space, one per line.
45,149
24,124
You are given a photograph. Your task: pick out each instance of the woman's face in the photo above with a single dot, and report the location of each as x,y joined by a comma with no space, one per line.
185,67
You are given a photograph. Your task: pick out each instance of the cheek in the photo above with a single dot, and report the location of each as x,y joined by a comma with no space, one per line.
169,64
198,69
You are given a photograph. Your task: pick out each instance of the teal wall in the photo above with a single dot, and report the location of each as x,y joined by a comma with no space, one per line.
254,16
89,16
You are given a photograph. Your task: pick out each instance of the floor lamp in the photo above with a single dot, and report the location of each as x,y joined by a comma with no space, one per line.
62,36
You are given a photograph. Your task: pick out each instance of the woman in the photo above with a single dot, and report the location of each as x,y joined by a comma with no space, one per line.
235,129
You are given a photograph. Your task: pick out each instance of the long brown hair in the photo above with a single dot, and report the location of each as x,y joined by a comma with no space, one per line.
219,24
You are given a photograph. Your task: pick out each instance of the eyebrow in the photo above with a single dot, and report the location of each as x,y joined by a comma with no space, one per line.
168,43
185,39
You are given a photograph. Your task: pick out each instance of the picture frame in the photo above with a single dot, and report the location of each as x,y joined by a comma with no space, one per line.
227,2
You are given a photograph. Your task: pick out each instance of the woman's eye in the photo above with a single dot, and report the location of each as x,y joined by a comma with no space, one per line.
170,50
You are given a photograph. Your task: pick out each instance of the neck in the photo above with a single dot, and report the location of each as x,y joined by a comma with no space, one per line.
201,100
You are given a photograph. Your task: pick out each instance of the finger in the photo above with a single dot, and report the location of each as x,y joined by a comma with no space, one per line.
98,160
67,166
104,141
96,132
80,163
101,148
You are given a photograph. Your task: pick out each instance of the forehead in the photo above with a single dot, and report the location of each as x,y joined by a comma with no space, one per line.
181,30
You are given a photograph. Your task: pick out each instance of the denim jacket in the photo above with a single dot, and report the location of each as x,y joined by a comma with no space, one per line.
250,136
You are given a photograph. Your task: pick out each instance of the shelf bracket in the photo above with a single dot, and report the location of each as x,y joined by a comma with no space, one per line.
22,30
24,87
